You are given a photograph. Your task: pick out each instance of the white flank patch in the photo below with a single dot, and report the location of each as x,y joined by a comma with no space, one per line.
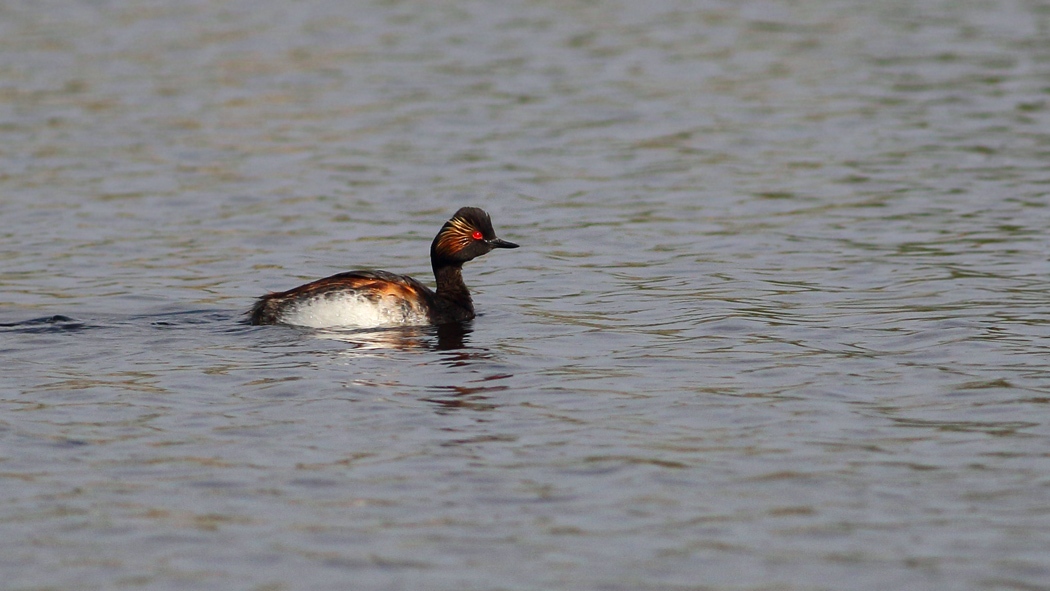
352,310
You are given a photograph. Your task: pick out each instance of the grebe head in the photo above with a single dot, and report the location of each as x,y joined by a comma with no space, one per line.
466,236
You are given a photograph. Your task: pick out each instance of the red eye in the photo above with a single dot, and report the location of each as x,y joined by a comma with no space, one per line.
476,235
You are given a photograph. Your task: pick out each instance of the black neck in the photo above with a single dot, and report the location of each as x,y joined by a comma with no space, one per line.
450,286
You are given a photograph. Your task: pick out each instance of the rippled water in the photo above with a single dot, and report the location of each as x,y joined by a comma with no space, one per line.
778,320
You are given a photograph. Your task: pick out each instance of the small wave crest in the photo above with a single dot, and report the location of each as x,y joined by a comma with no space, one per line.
56,323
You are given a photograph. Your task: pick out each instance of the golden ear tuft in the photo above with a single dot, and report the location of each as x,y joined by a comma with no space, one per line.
456,235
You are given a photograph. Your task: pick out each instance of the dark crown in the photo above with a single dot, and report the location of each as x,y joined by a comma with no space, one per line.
458,233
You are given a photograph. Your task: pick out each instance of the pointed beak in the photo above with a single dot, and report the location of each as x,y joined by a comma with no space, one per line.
500,243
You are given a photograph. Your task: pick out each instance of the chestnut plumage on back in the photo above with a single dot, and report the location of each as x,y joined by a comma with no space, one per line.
378,298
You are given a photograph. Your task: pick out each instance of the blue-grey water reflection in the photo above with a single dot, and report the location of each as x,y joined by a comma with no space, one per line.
778,320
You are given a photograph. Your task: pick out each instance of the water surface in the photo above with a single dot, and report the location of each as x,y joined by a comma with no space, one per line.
778,320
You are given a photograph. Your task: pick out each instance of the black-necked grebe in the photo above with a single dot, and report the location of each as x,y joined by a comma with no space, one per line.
367,299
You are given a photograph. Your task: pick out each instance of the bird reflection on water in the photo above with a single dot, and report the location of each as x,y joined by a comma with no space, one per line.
445,337
451,339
